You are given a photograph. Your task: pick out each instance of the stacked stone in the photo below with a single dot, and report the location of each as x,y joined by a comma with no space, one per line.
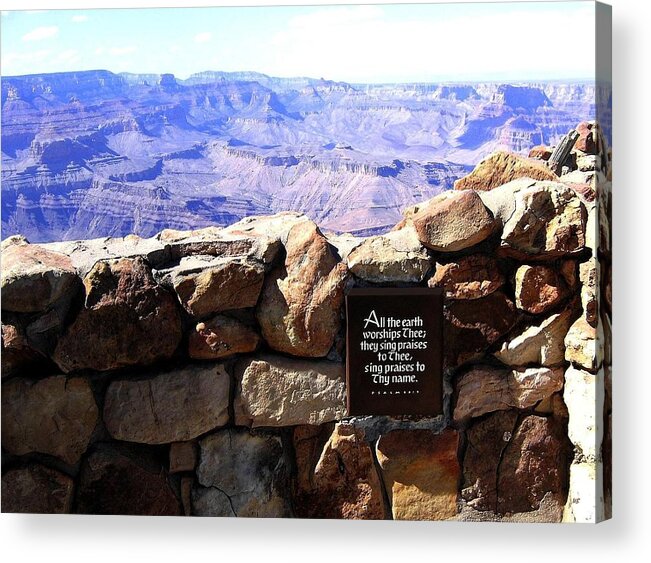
202,372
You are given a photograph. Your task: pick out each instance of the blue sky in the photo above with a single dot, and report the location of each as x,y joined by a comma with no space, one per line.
372,43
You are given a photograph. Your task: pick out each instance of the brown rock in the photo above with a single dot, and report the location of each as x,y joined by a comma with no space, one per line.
222,337
453,221
242,474
300,308
128,319
485,444
470,277
277,391
171,407
584,344
470,327
17,355
548,220
533,465
55,415
485,389
542,344
36,489
120,480
500,168
397,257
183,457
539,288
339,482
421,473
206,285
33,278
587,137
540,152
589,274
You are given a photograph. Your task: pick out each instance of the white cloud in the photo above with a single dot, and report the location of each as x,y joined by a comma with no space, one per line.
121,51
40,33
15,63
69,56
203,37
79,19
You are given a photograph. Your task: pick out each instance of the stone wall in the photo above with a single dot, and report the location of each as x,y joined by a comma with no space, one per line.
202,373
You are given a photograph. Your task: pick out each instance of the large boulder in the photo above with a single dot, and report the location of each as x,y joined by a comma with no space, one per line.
34,278
56,415
397,257
206,285
452,221
241,474
300,308
277,391
222,337
171,407
128,319
539,288
484,389
469,277
117,479
421,473
470,327
339,479
500,168
36,489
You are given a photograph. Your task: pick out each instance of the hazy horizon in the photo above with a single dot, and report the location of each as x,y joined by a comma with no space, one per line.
367,44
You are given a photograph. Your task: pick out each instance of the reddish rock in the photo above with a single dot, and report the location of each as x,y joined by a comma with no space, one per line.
300,308
533,465
33,278
470,327
213,285
590,274
500,168
55,415
222,337
485,389
470,277
486,441
36,489
421,473
540,152
587,137
120,480
17,355
128,320
340,481
453,221
539,288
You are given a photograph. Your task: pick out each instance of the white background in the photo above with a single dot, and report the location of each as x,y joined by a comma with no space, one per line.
626,537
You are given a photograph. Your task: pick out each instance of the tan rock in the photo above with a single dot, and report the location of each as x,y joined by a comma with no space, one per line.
397,256
548,220
585,499
540,152
539,288
584,344
56,415
241,474
277,391
500,168
34,278
542,344
470,277
485,389
338,480
172,407
421,473
590,275
183,457
206,285
128,319
222,337
36,489
300,308
584,396
453,221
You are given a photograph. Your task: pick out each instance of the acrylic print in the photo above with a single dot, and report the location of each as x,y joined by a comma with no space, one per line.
312,261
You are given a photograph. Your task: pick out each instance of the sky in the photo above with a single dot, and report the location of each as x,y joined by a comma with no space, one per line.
371,43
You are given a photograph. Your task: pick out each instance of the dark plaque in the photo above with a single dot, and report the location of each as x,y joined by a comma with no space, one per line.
394,351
